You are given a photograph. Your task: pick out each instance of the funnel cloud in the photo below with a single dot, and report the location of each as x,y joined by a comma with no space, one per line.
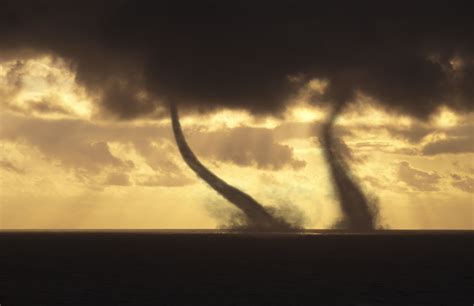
257,216
354,205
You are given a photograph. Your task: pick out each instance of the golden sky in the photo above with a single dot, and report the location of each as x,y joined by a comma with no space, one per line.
65,165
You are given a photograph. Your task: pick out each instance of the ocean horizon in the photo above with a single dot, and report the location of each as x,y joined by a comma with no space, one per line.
227,267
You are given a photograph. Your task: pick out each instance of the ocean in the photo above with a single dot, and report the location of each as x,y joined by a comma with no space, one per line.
167,267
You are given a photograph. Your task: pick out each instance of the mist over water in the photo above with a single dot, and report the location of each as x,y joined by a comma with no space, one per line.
257,217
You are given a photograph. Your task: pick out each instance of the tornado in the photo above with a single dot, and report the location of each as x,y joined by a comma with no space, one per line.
256,216
358,215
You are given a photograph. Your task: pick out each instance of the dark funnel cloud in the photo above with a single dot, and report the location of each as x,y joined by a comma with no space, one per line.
257,217
358,213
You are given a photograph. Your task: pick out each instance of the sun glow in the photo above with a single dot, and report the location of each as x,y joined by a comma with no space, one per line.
445,118
305,114
43,86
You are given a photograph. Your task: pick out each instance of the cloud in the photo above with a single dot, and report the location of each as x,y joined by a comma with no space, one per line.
211,54
386,147
85,146
46,107
164,180
158,154
450,146
458,139
9,166
295,130
127,98
417,179
90,149
245,146
413,133
455,177
463,183
118,179
375,182
74,144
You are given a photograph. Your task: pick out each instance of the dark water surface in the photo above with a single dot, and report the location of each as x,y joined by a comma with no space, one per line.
225,268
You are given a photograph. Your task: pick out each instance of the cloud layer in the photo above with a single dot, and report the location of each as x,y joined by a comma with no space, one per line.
135,55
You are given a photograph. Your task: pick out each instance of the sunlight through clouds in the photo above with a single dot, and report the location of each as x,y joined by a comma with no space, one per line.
59,155
43,86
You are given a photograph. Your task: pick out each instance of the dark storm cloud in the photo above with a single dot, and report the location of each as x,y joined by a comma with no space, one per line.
208,54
